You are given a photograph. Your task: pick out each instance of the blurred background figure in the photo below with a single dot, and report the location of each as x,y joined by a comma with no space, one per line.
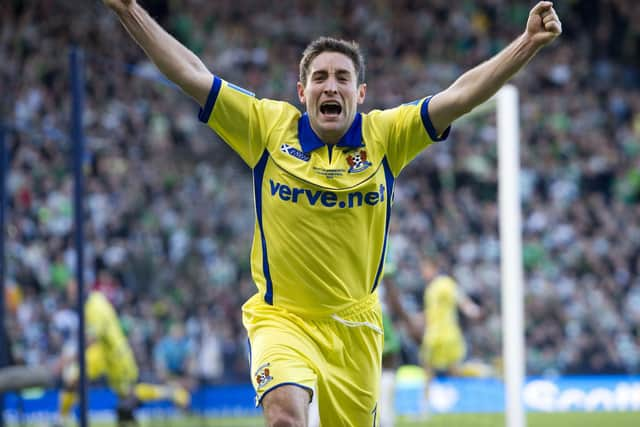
443,347
175,357
209,359
108,356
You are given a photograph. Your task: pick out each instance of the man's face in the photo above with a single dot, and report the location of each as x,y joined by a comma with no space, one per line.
331,95
429,270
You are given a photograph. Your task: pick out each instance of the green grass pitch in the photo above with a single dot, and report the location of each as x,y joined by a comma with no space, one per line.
573,419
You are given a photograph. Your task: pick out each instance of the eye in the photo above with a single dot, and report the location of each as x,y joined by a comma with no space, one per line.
318,77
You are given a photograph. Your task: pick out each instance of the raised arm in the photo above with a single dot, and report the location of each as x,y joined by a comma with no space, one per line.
481,82
173,59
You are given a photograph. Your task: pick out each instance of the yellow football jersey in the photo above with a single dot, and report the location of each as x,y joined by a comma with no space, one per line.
443,345
440,302
322,211
102,325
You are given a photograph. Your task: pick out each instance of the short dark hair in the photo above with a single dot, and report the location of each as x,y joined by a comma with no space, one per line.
328,44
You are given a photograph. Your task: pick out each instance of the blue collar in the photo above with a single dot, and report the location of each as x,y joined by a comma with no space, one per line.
309,141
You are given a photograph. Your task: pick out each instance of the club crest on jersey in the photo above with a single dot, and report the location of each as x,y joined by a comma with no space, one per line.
292,151
358,161
262,375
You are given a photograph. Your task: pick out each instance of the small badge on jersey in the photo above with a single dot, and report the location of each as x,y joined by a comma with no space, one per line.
358,161
292,151
262,375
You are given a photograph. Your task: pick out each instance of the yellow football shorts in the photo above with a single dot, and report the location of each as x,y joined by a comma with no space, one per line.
443,351
338,358
121,373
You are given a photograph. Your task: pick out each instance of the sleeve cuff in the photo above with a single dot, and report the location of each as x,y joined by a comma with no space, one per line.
426,122
205,112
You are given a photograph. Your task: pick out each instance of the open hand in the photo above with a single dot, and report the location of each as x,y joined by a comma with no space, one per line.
543,25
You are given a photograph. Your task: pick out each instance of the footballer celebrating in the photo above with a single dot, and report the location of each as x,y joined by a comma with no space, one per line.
323,184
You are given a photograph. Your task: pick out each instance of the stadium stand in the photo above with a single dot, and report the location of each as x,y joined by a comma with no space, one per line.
170,207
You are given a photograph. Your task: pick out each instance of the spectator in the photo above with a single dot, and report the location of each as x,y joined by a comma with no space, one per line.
173,356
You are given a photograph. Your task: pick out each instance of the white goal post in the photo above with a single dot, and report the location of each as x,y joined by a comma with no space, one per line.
511,270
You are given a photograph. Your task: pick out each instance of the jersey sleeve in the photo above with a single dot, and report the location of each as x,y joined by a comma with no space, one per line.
95,318
408,131
240,119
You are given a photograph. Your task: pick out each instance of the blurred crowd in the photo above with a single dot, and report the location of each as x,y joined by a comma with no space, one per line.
169,208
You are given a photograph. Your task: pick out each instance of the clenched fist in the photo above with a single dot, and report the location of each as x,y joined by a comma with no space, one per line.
543,25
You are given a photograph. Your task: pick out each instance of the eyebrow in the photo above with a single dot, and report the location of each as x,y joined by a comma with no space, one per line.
340,72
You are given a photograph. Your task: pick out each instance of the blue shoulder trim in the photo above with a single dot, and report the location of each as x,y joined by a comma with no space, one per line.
426,122
205,112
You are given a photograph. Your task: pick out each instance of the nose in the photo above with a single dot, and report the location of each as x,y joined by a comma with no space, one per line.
331,85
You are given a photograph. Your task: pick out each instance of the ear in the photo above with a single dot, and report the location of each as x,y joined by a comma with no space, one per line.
300,90
362,92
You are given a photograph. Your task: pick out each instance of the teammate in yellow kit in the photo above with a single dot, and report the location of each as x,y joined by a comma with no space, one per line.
323,188
109,356
443,345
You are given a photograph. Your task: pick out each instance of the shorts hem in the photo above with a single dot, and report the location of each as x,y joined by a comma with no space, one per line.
259,398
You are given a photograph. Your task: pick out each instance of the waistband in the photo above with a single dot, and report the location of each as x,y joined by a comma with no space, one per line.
365,304
256,305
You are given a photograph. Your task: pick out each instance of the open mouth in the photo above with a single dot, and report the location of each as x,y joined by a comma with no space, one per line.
331,108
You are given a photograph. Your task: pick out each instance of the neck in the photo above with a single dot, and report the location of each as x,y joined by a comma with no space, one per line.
330,138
